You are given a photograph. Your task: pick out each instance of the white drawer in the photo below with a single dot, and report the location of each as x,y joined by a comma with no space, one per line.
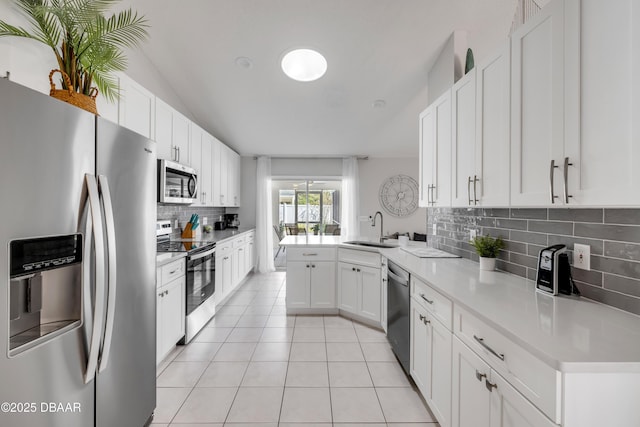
224,248
171,271
537,381
352,256
250,236
238,241
310,253
433,301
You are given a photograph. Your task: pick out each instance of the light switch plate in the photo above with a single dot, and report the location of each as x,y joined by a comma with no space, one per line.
582,256
435,229
205,220
473,234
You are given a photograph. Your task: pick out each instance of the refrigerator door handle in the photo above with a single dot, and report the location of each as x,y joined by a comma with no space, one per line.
105,194
98,316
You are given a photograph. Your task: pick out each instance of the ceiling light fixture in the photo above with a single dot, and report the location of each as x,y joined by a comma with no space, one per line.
304,65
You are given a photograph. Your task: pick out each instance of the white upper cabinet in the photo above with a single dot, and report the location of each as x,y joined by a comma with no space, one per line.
537,95
206,173
603,120
435,153
220,180
464,176
136,110
233,179
493,112
172,133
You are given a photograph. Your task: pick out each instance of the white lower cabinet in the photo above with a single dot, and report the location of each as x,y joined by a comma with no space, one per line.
311,278
360,284
430,364
481,397
170,305
234,260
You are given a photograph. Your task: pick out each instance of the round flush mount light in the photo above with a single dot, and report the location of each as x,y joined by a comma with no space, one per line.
304,65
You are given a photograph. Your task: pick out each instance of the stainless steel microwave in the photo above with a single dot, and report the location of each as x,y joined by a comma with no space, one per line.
177,183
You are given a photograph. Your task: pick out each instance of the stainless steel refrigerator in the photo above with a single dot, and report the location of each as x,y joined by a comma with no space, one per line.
77,267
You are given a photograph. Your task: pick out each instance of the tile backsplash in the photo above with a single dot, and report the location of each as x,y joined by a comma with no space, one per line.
183,213
612,234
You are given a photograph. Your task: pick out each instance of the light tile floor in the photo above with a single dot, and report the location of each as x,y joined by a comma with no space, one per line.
255,366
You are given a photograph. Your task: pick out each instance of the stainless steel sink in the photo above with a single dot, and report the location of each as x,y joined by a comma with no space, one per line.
370,244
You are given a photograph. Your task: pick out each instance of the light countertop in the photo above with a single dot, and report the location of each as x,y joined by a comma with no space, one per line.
570,334
163,258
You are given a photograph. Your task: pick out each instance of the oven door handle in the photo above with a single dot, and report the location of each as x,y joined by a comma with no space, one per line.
202,255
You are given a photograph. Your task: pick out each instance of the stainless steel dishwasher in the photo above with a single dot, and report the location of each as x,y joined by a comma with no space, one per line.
398,311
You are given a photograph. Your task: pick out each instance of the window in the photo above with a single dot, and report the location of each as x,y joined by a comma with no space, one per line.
308,206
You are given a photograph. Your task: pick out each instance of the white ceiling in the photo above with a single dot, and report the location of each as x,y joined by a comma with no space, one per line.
376,49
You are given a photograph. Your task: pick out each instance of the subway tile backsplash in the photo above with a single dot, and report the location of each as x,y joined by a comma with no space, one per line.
183,213
613,234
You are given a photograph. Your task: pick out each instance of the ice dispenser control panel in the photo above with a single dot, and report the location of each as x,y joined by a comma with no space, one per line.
45,289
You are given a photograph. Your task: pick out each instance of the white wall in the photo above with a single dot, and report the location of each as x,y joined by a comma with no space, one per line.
449,66
373,173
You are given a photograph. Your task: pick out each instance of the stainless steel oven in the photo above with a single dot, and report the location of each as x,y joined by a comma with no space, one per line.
200,304
177,183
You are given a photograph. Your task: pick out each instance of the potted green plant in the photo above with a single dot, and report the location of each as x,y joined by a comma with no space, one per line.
487,248
88,46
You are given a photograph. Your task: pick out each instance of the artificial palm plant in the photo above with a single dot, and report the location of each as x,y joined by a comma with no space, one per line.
87,45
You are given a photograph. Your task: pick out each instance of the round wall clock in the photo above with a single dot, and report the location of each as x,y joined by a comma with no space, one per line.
399,195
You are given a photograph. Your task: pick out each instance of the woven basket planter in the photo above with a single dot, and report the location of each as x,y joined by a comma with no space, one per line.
86,102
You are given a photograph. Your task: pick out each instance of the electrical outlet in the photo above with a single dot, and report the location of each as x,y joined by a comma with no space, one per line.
473,234
582,256
204,220
435,229
176,224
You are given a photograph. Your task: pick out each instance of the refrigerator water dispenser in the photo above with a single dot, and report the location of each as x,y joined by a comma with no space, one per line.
45,289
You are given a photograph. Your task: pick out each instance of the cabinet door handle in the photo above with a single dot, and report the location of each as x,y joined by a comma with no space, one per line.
426,299
469,191
480,376
313,266
307,265
565,172
226,257
489,349
425,321
161,294
422,318
310,254
551,170
490,386
475,189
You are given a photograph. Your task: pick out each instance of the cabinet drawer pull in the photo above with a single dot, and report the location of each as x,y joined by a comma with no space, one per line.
490,386
173,271
353,269
489,349
425,298
567,196
425,321
475,189
422,318
310,254
480,376
313,266
551,170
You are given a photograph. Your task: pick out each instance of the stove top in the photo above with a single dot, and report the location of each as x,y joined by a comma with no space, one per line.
177,246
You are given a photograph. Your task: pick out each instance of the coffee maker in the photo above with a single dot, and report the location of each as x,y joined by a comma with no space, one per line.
231,220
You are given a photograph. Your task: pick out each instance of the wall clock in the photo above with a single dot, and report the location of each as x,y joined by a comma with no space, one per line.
399,195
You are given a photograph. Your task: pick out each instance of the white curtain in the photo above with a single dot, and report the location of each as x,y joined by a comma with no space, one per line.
349,223
264,216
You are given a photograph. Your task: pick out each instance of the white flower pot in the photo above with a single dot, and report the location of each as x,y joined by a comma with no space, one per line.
488,264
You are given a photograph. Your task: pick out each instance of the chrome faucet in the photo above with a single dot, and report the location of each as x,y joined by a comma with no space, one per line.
373,223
